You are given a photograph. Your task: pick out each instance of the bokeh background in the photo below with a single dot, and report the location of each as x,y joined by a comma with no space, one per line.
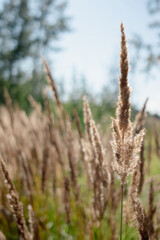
81,42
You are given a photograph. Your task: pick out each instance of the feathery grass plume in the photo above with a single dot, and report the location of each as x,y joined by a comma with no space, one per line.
101,176
51,82
125,145
2,236
139,120
86,148
100,158
16,205
123,108
99,168
87,117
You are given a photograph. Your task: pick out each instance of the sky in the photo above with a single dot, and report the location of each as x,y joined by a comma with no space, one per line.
93,45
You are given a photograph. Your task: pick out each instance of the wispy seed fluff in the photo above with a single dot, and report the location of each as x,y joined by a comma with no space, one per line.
125,144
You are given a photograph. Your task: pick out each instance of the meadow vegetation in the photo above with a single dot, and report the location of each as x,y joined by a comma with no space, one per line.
61,179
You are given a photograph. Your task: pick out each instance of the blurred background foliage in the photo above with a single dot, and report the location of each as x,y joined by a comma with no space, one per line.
31,28
27,30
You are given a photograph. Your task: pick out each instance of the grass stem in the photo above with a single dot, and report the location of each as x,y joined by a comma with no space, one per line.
121,225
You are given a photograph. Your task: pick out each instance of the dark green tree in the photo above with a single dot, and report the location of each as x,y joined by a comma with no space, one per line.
27,30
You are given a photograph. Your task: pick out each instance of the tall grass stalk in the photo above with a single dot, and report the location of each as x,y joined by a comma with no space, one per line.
126,145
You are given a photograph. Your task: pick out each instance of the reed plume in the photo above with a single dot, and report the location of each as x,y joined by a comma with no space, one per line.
51,82
98,165
125,145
